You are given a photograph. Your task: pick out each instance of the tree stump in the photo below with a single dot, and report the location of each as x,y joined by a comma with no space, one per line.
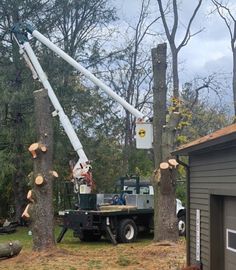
41,208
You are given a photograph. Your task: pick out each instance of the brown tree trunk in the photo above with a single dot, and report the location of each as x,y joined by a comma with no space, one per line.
175,72
165,221
159,98
41,209
19,192
128,145
18,178
166,227
234,79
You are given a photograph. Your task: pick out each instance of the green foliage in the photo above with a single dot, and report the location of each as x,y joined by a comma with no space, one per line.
140,162
202,116
181,191
82,19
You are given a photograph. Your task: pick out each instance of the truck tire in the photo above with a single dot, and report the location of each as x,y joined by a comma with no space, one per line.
127,231
182,225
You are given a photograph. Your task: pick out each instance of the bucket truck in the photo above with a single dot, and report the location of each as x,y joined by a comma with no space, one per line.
118,222
82,170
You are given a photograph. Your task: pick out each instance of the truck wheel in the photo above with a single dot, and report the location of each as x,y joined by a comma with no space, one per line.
182,225
127,231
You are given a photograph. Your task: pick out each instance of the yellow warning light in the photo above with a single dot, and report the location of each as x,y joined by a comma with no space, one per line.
142,133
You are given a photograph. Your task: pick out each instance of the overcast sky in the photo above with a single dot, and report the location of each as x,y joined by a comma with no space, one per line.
208,51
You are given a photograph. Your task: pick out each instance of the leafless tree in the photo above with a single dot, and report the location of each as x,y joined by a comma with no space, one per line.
227,16
130,71
171,36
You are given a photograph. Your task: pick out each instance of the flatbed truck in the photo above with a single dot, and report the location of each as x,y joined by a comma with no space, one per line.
98,216
118,223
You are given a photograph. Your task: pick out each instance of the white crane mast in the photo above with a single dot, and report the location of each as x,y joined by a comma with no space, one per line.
20,32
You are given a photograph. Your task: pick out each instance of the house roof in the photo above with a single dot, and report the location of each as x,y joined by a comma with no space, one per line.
220,136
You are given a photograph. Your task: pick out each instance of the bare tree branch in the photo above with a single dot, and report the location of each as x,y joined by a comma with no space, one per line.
187,34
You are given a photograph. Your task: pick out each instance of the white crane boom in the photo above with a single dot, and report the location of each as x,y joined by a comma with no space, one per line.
20,32
88,74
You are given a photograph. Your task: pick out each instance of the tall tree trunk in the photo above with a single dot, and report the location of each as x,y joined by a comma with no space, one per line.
234,80
42,193
19,176
126,151
159,99
19,193
159,114
165,221
175,73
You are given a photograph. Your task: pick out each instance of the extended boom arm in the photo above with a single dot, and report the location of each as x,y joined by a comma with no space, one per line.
81,169
21,29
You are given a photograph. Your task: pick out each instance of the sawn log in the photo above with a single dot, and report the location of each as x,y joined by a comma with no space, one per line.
10,249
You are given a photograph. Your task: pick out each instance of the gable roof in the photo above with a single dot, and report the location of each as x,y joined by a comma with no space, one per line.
220,136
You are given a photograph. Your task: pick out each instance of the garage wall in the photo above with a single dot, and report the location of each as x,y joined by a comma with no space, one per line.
210,170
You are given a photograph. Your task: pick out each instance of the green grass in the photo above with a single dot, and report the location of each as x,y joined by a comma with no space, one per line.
21,235
68,242
95,264
71,253
123,261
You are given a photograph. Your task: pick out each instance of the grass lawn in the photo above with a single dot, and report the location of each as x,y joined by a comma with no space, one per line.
71,254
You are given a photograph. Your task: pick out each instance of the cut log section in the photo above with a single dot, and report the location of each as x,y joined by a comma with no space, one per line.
164,166
33,147
10,249
25,213
43,148
39,180
37,146
29,196
173,162
54,174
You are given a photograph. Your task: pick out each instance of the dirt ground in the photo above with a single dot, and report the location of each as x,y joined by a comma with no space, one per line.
149,256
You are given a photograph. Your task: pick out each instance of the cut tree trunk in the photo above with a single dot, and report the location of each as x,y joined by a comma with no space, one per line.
159,99
165,220
41,209
10,249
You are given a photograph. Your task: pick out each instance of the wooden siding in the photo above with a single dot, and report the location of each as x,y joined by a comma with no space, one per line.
214,170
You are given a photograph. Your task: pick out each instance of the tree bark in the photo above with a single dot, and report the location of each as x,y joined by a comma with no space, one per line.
18,128
159,67
234,79
175,72
165,221
18,176
41,209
